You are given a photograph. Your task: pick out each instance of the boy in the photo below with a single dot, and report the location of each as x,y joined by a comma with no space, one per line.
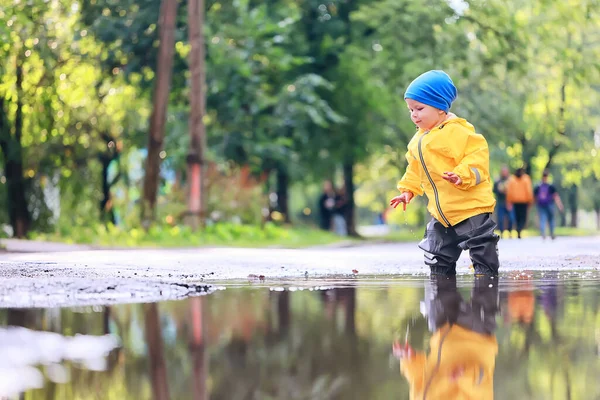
449,163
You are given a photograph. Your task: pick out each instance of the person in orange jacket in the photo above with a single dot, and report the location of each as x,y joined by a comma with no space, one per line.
519,196
449,162
463,348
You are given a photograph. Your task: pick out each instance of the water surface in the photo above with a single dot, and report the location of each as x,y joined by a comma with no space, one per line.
526,336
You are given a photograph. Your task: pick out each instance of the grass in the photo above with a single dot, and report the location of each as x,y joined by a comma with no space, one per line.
232,235
227,235
559,231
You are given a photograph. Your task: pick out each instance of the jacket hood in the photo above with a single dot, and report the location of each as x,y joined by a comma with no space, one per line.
453,119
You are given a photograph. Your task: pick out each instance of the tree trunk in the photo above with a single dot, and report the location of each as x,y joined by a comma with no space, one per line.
283,183
156,355
598,219
162,84
195,159
573,205
348,169
10,144
527,163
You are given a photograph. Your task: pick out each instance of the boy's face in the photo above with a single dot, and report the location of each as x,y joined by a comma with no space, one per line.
424,116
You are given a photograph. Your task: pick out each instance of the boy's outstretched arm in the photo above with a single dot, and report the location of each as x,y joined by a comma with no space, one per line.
411,181
474,167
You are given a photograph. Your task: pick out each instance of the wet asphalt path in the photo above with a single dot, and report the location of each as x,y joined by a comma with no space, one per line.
112,276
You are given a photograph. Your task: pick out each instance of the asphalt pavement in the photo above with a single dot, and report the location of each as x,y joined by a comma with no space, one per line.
68,276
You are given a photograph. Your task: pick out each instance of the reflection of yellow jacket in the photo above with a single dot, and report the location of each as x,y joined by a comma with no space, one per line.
460,366
451,147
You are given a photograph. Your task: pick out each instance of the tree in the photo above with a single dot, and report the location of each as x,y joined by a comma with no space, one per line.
30,57
196,158
10,143
11,129
164,65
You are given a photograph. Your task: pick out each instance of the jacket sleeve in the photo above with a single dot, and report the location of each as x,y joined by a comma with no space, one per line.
411,181
413,369
474,167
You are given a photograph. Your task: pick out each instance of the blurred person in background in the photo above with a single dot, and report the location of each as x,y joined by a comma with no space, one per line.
546,196
519,197
505,218
339,212
326,206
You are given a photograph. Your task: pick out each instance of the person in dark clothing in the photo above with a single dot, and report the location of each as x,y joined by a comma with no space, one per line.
326,206
504,216
546,197
339,212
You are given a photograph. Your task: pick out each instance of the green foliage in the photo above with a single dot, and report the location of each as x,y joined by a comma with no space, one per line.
302,87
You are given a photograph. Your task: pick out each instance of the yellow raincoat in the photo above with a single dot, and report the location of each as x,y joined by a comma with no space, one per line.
455,147
460,366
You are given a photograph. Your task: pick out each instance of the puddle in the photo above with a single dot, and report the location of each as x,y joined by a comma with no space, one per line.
526,336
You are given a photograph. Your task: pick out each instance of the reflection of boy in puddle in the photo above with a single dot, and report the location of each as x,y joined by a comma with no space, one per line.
463,348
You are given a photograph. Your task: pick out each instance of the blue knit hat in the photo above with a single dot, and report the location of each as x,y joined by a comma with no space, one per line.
434,88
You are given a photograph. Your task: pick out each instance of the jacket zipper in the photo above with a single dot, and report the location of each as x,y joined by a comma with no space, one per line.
435,191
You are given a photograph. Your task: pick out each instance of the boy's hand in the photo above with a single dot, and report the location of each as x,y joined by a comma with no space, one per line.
404,198
452,178
402,351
